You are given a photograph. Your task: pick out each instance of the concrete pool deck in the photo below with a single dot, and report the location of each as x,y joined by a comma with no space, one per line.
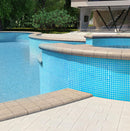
26,106
92,114
75,36
72,36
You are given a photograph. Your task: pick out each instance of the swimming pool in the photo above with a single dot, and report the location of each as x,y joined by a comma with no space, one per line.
110,42
105,78
102,72
19,67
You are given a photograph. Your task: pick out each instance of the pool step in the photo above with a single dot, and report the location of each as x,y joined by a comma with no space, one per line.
21,107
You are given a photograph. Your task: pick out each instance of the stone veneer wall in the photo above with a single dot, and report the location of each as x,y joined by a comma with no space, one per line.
106,15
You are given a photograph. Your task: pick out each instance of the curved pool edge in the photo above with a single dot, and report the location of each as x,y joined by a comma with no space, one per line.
42,36
26,106
107,35
57,37
31,32
88,51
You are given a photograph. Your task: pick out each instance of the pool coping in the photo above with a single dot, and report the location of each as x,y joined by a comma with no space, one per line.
26,106
107,35
44,36
55,38
84,49
87,51
31,32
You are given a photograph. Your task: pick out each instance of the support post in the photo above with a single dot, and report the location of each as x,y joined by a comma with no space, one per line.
102,19
118,18
112,17
124,18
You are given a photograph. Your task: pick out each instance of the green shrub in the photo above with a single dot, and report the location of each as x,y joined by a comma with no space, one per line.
52,20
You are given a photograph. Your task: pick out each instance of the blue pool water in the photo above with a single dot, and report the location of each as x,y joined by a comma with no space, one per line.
109,42
19,67
22,76
106,78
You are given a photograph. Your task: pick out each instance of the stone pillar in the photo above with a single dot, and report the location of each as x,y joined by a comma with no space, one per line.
84,18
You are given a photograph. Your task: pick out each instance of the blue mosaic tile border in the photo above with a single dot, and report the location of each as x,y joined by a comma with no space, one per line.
106,78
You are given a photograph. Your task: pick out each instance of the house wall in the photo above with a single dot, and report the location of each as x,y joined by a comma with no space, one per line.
86,7
84,12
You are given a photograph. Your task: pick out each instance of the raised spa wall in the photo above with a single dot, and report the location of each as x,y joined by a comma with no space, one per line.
109,40
103,72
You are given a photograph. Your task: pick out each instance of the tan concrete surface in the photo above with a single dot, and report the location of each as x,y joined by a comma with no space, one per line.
72,36
92,114
25,106
88,51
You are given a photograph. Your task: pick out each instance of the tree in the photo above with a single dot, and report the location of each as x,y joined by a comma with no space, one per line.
72,11
41,3
52,5
5,11
22,10
67,4
15,12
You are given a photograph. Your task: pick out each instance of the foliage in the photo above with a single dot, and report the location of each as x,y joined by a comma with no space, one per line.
72,11
52,5
5,10
16,12
53,19
23,9
37,13
41,4
67,4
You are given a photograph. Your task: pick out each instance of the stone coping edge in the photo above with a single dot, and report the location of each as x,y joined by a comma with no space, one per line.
38,36
107,35
88,51
31,32
26,106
